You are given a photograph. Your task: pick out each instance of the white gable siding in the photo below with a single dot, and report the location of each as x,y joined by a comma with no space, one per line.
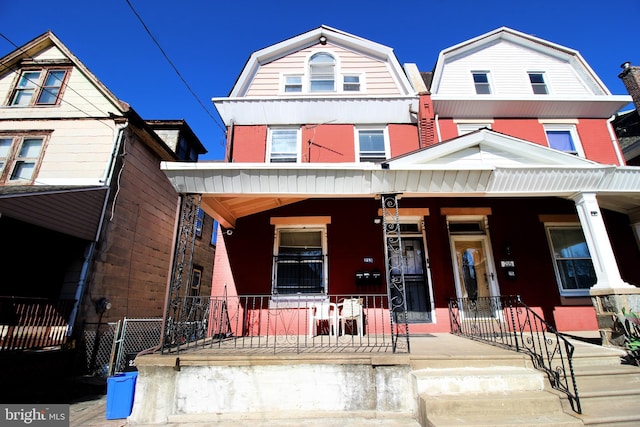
476,156
376,76
77,152
80,97
508,64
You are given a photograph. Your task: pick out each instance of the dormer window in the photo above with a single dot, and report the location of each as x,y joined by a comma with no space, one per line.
322,67
538,84
39,87
481,82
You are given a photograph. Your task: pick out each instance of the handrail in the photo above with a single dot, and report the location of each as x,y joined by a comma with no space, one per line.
507,322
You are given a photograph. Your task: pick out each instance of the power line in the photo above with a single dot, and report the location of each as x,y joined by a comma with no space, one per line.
173,66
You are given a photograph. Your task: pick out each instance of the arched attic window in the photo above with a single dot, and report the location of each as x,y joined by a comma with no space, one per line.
322,73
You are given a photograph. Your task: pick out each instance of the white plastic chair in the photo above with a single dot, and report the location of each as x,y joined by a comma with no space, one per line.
320,311
351,309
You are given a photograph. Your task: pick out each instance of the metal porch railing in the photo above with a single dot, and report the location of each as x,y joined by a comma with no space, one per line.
281,324
508,322
33,323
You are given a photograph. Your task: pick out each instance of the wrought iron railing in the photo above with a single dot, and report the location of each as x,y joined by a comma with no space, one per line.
508,322
284,324
33,323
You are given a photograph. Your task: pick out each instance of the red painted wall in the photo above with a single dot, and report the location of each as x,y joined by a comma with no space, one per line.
593,133
329,143
403,139
249,143
352,236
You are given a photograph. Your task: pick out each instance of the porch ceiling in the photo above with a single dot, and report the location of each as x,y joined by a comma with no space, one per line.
71,210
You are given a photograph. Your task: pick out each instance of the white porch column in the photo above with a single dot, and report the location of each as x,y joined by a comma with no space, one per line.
595,233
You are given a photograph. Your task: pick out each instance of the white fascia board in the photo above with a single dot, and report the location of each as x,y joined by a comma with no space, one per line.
302,110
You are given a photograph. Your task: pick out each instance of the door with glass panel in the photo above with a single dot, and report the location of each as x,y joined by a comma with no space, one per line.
474,273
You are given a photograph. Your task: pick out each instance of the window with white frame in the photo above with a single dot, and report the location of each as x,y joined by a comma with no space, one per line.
372,144
481,82
571,258
322,73
465,128
563,138
538,84
39,87
351,83
293,84
283,145
299,261
19,157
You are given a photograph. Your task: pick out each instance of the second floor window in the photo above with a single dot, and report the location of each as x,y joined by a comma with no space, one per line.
322,67
39,87
283,145
372,145
564,138
481,82
292,84
538,84
19,157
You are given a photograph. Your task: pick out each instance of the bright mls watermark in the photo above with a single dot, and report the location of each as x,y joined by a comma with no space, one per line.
34,415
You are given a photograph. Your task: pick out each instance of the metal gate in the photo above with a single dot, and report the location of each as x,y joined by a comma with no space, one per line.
134,336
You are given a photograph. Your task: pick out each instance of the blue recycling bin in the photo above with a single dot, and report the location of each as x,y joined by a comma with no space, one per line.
120,390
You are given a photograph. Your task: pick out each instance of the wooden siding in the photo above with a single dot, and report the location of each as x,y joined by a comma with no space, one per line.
81,98
78,151
134,258
508,64
376,77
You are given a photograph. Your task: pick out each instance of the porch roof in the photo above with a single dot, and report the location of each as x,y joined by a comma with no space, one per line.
234,190
483,163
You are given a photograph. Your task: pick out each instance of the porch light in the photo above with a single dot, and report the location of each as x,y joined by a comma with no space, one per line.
102,305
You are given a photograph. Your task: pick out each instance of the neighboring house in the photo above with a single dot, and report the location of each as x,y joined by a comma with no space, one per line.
627,124
503,167
87,216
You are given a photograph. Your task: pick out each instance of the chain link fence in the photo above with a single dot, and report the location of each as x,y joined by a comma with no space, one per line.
111,347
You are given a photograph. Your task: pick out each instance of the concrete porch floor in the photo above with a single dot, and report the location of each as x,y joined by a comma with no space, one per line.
441,346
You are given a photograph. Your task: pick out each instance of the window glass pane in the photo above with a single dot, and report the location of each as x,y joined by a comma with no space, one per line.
5,146
31,148
23,97
560,140
371,140
284,145
48,96
29,79
23,170
55,78
301,239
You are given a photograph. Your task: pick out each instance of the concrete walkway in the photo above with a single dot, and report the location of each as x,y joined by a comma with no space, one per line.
91,413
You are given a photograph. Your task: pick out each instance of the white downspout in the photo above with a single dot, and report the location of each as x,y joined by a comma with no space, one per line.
614,141
438,127
84,272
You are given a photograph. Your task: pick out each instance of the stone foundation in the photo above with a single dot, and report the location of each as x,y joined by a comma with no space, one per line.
608,303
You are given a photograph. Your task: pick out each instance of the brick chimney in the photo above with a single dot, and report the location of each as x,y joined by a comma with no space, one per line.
630,76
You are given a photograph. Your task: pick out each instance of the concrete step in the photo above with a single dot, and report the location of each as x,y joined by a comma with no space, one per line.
477,380
508,358
494,409
293,419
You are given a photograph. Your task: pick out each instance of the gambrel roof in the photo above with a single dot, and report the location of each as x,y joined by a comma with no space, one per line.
507,55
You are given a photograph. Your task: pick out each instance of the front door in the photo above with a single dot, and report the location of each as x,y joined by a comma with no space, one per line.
415,281
474,271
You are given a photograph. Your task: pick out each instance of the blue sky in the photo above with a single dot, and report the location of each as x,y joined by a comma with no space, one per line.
209,41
